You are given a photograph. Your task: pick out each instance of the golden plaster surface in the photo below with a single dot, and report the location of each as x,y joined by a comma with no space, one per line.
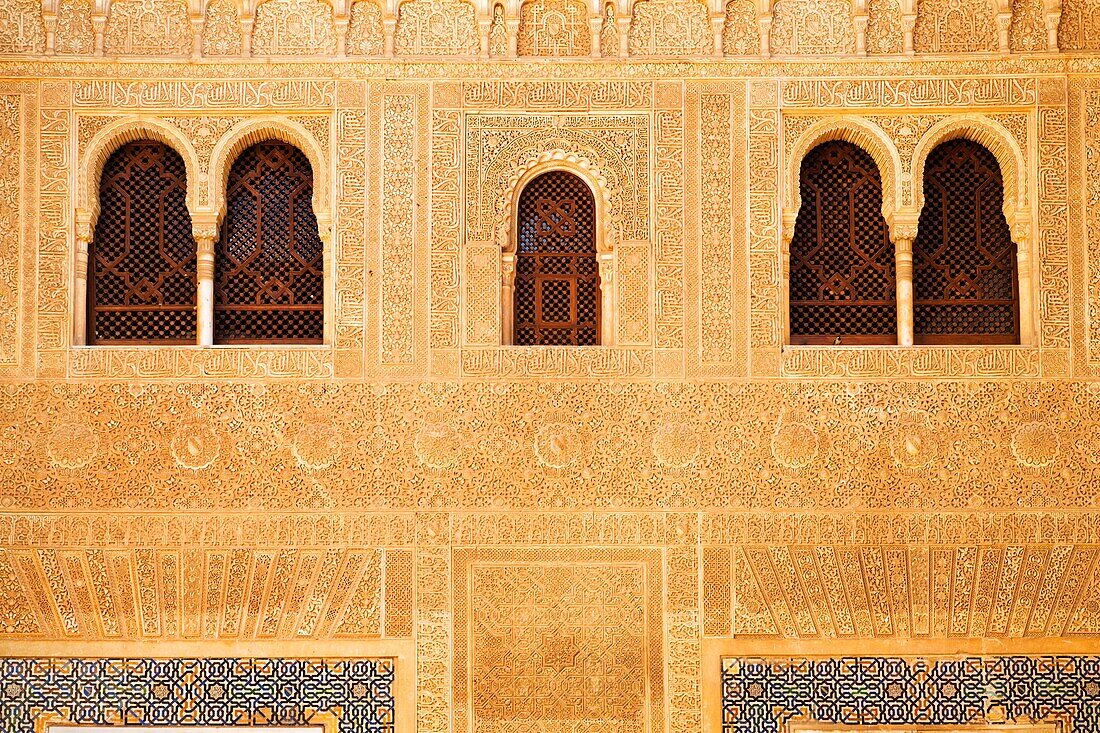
585,528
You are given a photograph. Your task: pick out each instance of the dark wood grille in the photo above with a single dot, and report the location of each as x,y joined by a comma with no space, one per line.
270,281
557,273
142,259
842,260
964,261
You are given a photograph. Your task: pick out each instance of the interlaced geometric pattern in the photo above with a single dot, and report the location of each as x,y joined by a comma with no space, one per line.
270,283
762,695
557,275
964,260
842,261
142,284
198,692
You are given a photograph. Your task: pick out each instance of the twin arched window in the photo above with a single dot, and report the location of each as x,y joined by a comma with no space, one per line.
269,285
842,277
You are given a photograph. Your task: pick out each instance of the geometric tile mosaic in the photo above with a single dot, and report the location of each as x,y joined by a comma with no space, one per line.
245,692
762,695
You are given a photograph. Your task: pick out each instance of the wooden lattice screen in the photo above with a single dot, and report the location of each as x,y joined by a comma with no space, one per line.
557,291
842,260
270,282
964,261
142,283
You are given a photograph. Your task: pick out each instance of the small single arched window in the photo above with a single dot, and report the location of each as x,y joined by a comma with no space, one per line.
964,261
269,257
557,288
842,286
142,255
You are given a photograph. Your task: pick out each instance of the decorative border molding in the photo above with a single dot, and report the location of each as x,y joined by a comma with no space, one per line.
41,693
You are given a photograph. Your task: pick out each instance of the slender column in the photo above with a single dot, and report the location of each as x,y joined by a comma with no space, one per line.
206,233
246,35
389,28
1004,23
717,26
903,230
99,24
607,298
1052,30
507,298
50,21
765,35
342,22
485,28
596,25
198,23
624,36
903,273
859,20
84,229
861,35
908,23
513,37
1021,235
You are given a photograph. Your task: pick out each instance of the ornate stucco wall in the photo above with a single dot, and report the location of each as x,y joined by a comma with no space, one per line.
551,539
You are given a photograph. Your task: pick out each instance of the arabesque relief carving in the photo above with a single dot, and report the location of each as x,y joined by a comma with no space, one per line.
956,26
148,27
1079,25
222,29
21,27
554,28
555,538
436,28
670,28
293,28
812,26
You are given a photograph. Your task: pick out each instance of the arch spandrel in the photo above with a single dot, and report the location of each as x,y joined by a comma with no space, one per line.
999,141
607,234
859,132
114,136
252,131
627,196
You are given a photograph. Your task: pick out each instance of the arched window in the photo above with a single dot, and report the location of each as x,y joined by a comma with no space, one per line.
964,261
142,284
557,289
270,278
842,262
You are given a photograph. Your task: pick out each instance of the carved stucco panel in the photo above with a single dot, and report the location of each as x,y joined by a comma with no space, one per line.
365,34
21,27
596,618
74,33
955,26
1079,25
741,29
812,26
885,32
148,27
221,34
294,28
18,195
498,145
437,28
670,28
403,129
554,28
